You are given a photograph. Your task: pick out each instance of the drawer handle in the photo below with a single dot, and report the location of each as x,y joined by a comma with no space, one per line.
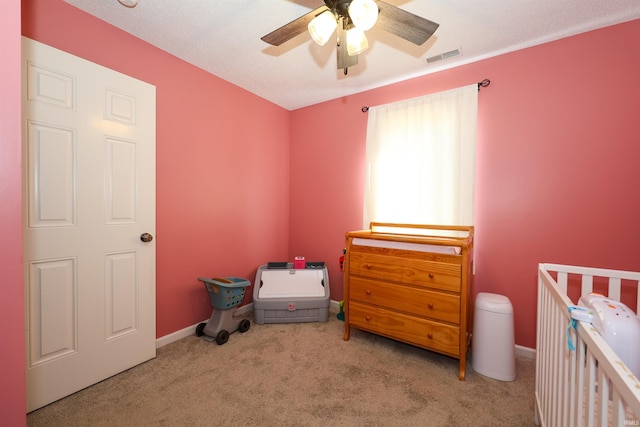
430,275
368,292
430,335
368,266
367,318
430,305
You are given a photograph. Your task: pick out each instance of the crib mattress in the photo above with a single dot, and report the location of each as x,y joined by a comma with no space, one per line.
291,295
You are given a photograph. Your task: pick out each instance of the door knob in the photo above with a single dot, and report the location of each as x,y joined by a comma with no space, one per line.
146,237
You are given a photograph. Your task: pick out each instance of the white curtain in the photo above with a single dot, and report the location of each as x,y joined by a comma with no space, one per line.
421,159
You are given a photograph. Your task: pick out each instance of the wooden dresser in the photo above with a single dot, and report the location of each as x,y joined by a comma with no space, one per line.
412,283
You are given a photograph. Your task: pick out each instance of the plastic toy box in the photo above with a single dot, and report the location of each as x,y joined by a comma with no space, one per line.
284,294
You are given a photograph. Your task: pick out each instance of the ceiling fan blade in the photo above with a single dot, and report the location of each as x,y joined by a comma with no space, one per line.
405,24
293,28
344,60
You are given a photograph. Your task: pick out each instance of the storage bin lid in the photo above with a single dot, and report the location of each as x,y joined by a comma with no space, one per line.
493,302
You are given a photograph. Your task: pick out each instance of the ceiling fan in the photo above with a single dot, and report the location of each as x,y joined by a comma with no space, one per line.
351,18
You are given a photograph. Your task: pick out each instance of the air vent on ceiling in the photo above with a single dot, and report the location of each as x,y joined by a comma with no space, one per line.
445,55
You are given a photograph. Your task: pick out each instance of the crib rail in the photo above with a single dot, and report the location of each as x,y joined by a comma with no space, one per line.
588,386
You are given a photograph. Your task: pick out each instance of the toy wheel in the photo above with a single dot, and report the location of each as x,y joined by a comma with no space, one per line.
222,337
200,329
244,326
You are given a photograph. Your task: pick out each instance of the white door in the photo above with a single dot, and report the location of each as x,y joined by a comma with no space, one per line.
89,196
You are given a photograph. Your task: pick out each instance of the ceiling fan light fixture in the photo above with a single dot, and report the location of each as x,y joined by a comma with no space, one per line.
363,13
356,41
351,18
322,27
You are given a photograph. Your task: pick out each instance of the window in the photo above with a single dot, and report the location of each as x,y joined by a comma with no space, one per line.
420,160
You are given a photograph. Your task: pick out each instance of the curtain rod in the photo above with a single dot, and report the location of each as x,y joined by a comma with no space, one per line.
483,83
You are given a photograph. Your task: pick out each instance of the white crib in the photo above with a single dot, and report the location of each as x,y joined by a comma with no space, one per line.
588,386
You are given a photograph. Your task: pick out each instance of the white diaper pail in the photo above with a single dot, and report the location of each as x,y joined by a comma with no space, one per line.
493,348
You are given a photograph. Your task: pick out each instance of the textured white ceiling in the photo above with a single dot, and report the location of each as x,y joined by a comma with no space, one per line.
223,37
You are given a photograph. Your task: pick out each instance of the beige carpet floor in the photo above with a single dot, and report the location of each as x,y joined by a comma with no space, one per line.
297,374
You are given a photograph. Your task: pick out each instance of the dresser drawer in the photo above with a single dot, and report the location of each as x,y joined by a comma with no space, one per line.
416,331
413,270
421,302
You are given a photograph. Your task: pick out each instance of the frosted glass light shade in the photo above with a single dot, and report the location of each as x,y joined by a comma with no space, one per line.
322,26
356,42
363,13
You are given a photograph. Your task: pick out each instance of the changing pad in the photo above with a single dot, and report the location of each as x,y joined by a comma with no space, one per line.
451,250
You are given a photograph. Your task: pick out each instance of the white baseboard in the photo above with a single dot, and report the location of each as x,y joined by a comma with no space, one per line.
521,351
190,330
525,352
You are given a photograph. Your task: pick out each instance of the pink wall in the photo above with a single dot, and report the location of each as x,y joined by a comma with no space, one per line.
557,170
12,365
222,186
557,166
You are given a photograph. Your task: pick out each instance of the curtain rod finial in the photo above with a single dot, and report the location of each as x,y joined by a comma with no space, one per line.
484,83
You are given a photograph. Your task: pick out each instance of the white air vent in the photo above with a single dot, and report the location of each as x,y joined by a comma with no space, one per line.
445,55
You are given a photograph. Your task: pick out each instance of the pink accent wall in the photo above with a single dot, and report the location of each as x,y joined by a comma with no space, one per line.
12,362
557,163
556,177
